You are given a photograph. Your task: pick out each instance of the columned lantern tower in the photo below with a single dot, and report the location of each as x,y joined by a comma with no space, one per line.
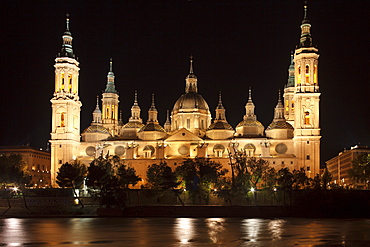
66,107
110,104
302,100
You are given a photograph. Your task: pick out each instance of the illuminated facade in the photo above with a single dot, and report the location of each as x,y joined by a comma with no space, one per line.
37,162
338,166
291,140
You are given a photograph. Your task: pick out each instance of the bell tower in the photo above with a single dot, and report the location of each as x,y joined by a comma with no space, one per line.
306,101
66,107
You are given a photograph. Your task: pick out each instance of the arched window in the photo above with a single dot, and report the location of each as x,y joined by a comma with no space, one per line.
62,119
69,83
307,117
299,75
307,74
315,74
62,81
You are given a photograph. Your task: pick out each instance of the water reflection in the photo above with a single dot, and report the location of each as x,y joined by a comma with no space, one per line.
184,230
276,228
112,232
13,231
216,228
251,227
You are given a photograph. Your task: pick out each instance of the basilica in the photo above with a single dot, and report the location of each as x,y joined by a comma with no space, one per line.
291,140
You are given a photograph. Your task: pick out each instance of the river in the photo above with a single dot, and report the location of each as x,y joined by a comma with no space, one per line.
183,232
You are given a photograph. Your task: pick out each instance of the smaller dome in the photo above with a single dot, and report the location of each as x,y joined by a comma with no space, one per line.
220,126
151,127
250,123
279,125
132,125
96,129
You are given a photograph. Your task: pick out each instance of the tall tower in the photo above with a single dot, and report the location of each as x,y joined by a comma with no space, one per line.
110,104
306,101
66,107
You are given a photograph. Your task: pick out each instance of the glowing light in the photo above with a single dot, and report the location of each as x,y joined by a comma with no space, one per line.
15,189
252,189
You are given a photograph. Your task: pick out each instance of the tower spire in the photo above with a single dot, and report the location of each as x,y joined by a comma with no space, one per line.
306,39
191,79
249,108
135,111
110,88
167,124
67,50
152,113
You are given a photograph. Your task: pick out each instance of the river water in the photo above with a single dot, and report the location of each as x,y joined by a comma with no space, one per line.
183,232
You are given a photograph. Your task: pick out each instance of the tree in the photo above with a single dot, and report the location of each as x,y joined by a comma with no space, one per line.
13,170
257,168
111,178
360,171
127,176
285,180
200,175
72,176
160,177
326,177
300,179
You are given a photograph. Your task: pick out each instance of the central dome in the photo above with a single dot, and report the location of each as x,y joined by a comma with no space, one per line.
190,101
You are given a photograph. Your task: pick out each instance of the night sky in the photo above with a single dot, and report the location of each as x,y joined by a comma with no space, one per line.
235,44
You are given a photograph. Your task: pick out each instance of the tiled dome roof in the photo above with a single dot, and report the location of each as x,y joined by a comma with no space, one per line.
220,126
249,122
132,125
279,125
96,129
152,127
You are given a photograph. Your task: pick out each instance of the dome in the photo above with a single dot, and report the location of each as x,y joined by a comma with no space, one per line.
190,101
96,129
249,123
151,127
279,125
220,126
132,125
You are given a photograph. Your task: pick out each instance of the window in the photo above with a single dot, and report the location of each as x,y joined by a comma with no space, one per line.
306,117
286,105
282,162
291,162
315,74
62,81
308,168
308,142
292,105
307,74
69,83
60,162
188,123
62,119
299,75
308,157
